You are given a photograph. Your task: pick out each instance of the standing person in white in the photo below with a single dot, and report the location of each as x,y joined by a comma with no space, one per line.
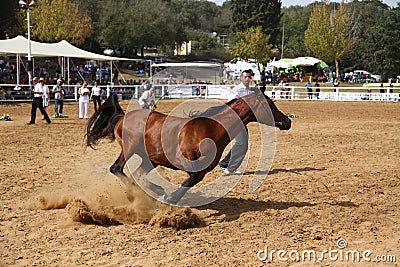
84,98
96,96
234,158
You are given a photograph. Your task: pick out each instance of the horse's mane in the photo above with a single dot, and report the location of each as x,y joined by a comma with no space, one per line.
211,111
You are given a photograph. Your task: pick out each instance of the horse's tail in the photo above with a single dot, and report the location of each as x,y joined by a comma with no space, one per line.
103,121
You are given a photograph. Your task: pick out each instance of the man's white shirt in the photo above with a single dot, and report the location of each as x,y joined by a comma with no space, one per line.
238,91
39,88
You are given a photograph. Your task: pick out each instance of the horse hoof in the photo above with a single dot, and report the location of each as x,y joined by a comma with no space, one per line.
162,198
166,199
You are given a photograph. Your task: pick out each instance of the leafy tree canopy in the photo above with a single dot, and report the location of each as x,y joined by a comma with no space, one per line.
253,13
135,24
57,20
252,44
331,32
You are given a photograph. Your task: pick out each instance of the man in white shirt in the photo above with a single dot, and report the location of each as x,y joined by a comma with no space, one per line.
37,101
234,158
148,99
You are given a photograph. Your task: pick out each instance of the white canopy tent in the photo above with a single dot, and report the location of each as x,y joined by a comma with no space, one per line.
285,63
305,61
19,46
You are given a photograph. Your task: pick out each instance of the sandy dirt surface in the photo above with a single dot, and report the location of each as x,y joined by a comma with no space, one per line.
335,176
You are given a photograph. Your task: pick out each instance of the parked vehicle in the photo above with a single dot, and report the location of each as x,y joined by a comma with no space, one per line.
377,78
363,76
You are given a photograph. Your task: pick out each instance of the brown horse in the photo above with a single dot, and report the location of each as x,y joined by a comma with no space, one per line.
194,145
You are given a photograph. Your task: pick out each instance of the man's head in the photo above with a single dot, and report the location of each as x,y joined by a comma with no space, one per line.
59,81
246,77
41,80
35,80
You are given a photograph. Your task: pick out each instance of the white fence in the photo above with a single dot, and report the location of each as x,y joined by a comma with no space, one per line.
220,91
288,93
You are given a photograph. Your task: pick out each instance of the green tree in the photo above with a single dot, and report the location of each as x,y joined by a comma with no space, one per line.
113,30
294,23
203,40
331,33
92,9
388,37
252,44
59,20
7,17
224,19
253,13
135,24
196,16
366,53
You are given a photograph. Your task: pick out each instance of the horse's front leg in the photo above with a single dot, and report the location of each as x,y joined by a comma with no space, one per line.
194,178
143,170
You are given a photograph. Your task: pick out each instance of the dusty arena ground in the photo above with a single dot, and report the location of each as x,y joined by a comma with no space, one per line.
333,188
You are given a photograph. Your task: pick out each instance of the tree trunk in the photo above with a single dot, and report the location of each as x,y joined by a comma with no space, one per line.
337,67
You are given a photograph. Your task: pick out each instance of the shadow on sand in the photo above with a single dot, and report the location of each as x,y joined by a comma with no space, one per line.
232,208
294,170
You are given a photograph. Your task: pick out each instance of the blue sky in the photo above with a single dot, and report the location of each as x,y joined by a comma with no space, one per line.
287,3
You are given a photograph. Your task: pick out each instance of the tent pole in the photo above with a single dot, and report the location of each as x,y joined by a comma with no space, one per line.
18,78
68,70
30,68
215,77
283,40
63,67
101,74
111,73
151,72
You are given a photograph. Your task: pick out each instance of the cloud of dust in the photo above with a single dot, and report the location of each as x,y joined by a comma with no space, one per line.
93,195
110,202
178,218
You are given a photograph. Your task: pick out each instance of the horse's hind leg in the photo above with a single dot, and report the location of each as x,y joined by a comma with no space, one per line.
118,169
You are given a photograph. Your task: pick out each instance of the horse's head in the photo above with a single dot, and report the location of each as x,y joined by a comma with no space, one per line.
260,107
